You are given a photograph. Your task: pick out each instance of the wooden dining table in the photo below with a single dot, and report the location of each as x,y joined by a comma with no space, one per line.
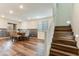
17,35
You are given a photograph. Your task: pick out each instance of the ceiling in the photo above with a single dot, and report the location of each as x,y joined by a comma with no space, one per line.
30,10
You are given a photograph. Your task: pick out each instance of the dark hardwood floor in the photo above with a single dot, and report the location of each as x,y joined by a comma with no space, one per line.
31,47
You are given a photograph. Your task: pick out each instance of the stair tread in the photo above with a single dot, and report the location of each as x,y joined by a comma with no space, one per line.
63,32
63,29
66,42
65,45
63,52
66,36
64,39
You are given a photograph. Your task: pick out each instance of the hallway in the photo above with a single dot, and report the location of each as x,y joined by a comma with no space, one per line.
63,43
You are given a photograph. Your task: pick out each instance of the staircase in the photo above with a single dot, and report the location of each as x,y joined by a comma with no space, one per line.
63,43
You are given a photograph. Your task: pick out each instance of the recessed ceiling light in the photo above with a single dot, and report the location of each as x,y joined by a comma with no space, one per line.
76,35
2,16
11,11
29,18
20,20
68,22
37,17
21,6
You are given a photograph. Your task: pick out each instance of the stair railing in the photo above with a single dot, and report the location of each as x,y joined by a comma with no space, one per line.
48,37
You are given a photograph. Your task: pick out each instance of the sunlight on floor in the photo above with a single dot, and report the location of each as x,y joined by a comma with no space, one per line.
5,48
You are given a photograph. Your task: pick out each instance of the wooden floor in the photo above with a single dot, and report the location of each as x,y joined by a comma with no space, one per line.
31,47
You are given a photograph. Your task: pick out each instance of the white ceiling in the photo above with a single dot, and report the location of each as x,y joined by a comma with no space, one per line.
30,10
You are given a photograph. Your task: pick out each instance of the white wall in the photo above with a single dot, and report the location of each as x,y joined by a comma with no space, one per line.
75,22
29,25
63,13
3,23
33,24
